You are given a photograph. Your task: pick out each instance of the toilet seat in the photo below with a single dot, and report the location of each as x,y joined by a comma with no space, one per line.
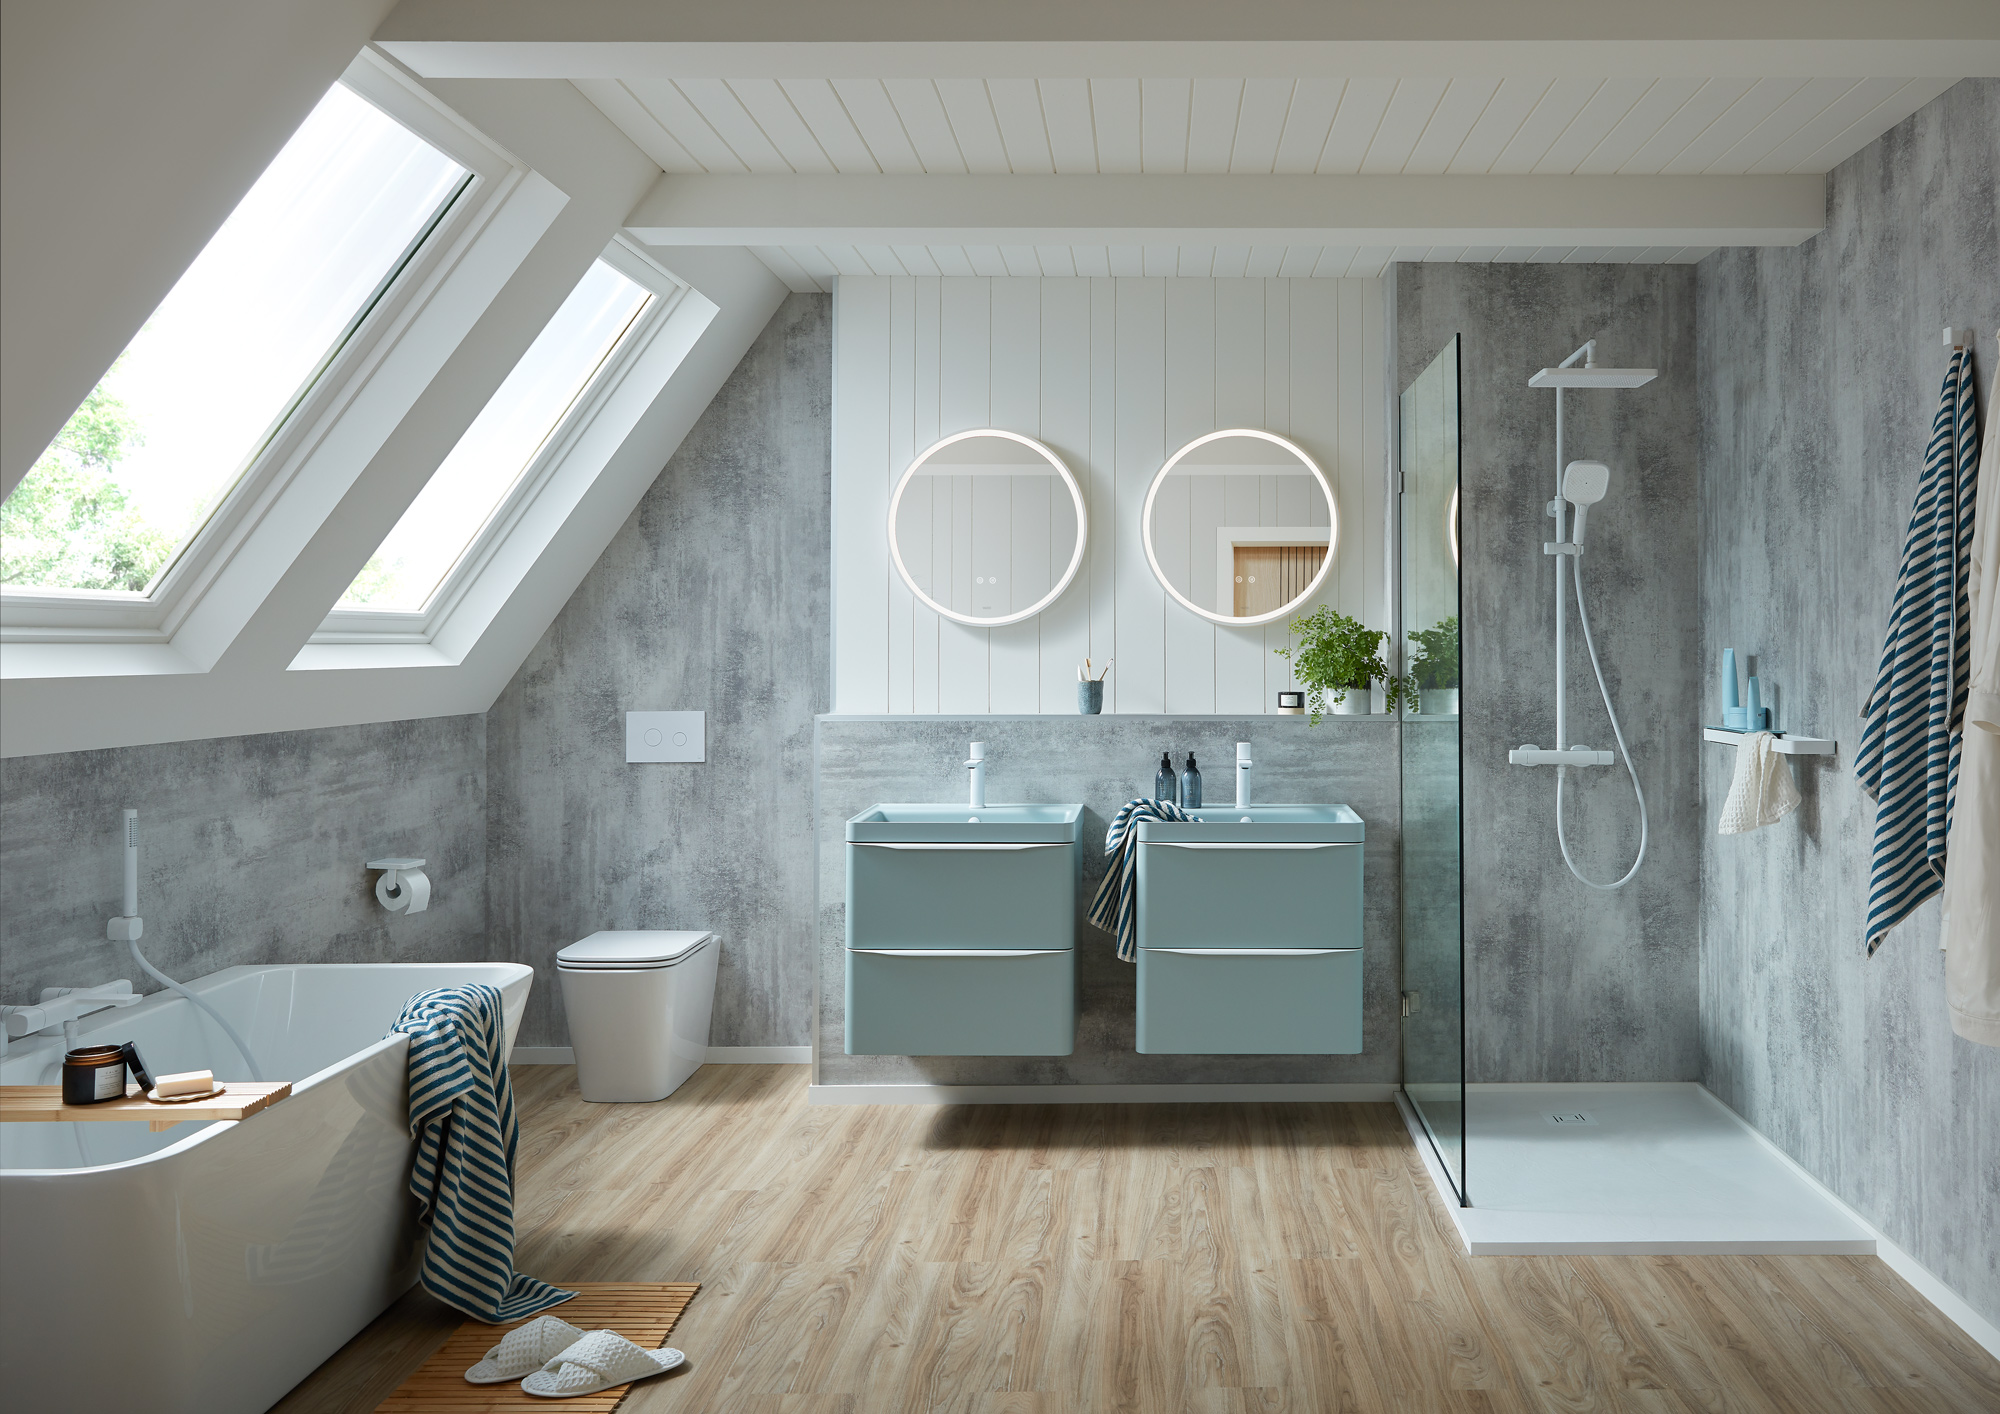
631,949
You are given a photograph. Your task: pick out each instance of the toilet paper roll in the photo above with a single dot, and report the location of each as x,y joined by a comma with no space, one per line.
413,894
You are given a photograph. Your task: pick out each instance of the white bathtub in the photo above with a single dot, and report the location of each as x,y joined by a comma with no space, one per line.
213,1266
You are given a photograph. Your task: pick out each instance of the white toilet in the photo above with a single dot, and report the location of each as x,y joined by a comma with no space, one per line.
638,1004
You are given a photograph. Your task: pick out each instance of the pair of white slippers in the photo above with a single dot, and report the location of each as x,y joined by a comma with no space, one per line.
554,1359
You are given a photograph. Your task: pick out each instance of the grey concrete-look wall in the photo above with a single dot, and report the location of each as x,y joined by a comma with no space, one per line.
1820,373
1103,762
1564,983
251,850
713,596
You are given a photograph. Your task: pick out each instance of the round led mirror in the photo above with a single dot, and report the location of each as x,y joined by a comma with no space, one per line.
987,527
1240,526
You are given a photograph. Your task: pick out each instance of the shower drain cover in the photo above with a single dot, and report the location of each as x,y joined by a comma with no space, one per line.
1567,1117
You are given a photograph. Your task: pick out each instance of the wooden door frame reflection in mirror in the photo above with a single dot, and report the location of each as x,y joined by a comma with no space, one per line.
1332,539
1062,471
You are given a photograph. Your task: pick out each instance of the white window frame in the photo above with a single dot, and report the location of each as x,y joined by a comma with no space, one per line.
229,567
569,462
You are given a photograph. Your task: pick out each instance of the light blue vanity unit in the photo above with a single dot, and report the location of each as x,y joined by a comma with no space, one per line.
961,930
1250,932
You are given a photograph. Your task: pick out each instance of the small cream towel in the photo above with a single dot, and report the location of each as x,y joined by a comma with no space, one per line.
1761,792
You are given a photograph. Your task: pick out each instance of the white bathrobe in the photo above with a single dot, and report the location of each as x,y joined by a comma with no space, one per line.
1972,864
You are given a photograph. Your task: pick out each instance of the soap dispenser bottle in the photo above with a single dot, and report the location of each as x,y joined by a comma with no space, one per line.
1163,780
1191,786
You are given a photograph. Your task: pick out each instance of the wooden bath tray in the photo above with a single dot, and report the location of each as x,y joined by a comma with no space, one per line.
28,1104
644,1312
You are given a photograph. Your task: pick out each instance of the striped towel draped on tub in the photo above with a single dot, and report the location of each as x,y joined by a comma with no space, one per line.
1115,908
462,1117
1910,741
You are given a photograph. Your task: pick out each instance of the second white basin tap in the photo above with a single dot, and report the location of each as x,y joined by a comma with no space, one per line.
975,765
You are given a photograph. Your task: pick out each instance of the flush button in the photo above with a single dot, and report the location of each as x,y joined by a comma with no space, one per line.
666,736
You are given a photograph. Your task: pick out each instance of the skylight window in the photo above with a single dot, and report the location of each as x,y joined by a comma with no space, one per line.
490,460
203,387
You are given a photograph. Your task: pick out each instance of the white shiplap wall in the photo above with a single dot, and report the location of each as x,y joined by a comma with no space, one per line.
1114,374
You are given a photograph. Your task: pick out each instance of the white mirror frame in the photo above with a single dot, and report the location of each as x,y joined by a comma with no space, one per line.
1075,495
1332,537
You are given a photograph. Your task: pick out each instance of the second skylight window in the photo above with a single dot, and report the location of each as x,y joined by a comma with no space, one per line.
519,422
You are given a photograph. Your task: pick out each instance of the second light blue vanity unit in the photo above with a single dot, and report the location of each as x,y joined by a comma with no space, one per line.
1250,932
961,930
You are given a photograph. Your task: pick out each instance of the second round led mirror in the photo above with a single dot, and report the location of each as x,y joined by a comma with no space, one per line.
1240,526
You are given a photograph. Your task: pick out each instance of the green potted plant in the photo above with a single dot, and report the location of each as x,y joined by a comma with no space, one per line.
1336,660
1434,668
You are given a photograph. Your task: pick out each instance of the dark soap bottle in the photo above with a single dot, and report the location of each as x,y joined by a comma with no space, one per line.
1190,786
1163,781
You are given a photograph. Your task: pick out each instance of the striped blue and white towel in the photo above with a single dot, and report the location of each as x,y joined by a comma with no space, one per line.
1115,909
462,1117
1910,735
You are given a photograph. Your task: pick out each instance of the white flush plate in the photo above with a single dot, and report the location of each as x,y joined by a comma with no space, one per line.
666,736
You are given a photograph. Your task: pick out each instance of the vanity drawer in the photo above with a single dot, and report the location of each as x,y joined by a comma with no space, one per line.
962,895
961,1002
1249,1001
1211,894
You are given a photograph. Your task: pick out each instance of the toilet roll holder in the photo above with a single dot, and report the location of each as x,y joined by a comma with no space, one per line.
403,886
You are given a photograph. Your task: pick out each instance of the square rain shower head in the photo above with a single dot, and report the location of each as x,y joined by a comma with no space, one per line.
1593,377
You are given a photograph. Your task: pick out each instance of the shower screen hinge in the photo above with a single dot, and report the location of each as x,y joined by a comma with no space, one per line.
1413,1002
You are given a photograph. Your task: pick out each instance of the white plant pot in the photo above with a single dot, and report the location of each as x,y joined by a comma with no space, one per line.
1437,702
1356,704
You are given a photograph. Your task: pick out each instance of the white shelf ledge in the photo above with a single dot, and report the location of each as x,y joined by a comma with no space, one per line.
1784,746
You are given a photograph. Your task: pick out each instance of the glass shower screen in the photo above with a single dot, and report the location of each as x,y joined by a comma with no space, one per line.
1433,944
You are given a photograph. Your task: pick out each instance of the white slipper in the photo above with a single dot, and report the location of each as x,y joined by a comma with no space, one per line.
524,1350
600,1361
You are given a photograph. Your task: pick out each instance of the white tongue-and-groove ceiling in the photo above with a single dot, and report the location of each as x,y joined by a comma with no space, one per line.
892,137
1330,126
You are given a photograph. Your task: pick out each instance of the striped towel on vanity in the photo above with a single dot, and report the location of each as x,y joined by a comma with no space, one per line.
462,1117
1115,909
1910,736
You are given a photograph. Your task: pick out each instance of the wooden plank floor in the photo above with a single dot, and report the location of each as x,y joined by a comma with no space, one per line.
1071,1259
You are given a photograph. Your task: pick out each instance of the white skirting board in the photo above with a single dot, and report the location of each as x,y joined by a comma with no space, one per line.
1487,1232
717,1055
1368,1093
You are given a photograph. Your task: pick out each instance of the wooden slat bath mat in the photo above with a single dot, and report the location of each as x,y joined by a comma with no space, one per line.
644,1312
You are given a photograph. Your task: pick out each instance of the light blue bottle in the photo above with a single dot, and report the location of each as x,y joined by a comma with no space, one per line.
1191,786
1163,781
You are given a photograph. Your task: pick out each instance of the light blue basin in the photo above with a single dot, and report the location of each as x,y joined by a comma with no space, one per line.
1299,823
998,824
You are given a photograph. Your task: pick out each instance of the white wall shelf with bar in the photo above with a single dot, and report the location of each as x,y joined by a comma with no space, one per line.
1784,745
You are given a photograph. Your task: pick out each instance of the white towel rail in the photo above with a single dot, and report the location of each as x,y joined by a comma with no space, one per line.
1784,745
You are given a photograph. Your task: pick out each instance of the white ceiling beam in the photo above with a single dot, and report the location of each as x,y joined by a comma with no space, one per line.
1248,38
1901,57
1230,210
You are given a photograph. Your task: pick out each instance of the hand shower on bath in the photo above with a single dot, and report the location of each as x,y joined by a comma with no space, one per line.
128,927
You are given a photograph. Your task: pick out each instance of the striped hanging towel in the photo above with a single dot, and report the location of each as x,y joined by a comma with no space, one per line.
1115,909
462,1117
1908,761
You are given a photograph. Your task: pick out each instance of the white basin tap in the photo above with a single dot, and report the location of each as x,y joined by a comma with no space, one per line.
1242,775
975,765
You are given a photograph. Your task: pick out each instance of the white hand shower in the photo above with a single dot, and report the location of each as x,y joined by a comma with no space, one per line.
1583,486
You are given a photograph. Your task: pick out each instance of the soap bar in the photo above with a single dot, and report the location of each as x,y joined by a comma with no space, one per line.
188,1082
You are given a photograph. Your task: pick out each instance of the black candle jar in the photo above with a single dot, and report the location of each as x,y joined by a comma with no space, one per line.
93,1074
